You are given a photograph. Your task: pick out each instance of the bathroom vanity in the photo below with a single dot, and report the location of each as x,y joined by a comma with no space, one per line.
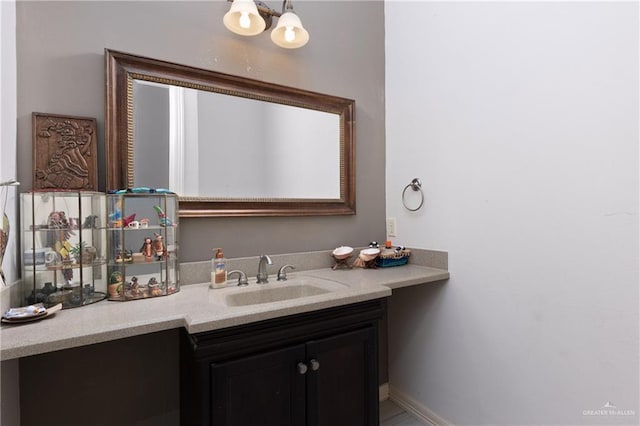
317,368
304,351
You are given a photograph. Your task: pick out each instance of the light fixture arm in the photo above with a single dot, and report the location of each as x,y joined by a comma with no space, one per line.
267,14
287,6
266,10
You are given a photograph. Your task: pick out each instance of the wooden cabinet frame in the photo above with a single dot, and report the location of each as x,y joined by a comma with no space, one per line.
317,333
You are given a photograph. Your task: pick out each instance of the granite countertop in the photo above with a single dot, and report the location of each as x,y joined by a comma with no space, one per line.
198,308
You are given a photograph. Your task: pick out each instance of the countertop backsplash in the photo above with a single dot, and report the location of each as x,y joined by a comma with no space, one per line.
199,272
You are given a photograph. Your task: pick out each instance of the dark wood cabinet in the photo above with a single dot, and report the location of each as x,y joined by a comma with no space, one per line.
316,369
264,389
340,391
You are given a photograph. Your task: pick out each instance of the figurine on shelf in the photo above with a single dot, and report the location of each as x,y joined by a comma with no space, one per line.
124,256
91,221
154,287
158,247
57,237
147,249
74,223
58,224
162,217
117,220
115,217
135,288
115,284
67,271
127,220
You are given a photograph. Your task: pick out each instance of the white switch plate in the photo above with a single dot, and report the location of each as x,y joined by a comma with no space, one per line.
392,230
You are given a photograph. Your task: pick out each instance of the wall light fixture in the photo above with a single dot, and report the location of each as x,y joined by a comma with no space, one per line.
249,18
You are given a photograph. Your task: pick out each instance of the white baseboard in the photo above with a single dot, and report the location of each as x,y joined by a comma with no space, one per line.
383,392
410,405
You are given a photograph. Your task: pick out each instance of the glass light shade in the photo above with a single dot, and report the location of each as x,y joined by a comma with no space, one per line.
289,32
243,18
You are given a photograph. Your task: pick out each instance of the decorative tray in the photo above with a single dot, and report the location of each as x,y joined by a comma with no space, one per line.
29,313
393,257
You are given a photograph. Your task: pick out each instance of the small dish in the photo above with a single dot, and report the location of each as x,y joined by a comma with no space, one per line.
26,312
369,254
34,317
342,252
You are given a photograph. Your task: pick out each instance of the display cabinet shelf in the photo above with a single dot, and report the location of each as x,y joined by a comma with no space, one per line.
142,239
44,268
63,237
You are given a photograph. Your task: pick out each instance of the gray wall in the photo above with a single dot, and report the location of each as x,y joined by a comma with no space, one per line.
60,70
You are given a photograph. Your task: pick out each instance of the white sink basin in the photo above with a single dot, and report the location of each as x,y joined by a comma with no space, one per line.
278,291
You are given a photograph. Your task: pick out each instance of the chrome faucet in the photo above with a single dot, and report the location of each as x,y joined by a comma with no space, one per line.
263,275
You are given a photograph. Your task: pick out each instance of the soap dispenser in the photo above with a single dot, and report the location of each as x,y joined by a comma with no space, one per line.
218,270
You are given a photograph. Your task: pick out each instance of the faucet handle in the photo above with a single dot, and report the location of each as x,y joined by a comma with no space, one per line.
242,277
282,274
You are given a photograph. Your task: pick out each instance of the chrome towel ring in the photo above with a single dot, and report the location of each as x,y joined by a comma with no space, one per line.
416,185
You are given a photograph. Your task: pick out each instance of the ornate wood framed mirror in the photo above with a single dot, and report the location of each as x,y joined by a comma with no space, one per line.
227,145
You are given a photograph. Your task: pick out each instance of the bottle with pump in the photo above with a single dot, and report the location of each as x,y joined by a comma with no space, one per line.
218,270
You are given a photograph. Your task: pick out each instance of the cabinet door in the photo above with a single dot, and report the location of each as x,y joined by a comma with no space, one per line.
265,389
342,383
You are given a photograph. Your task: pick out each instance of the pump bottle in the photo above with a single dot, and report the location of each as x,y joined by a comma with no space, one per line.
218,270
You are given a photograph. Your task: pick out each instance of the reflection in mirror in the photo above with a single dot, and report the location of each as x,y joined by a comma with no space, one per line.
205,144
228,145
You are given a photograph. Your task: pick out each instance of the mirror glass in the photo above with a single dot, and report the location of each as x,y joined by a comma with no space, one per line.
206,144
227,145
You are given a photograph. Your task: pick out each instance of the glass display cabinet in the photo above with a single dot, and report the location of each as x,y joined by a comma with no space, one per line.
63,247
142,245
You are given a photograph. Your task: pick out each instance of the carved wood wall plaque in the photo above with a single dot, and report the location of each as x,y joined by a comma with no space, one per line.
64,152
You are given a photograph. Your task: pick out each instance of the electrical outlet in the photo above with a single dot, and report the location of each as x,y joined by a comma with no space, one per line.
392,230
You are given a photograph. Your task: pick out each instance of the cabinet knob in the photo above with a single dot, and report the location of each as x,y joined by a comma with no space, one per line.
302,368
315,364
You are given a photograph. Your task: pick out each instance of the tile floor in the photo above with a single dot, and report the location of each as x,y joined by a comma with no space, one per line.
392,415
